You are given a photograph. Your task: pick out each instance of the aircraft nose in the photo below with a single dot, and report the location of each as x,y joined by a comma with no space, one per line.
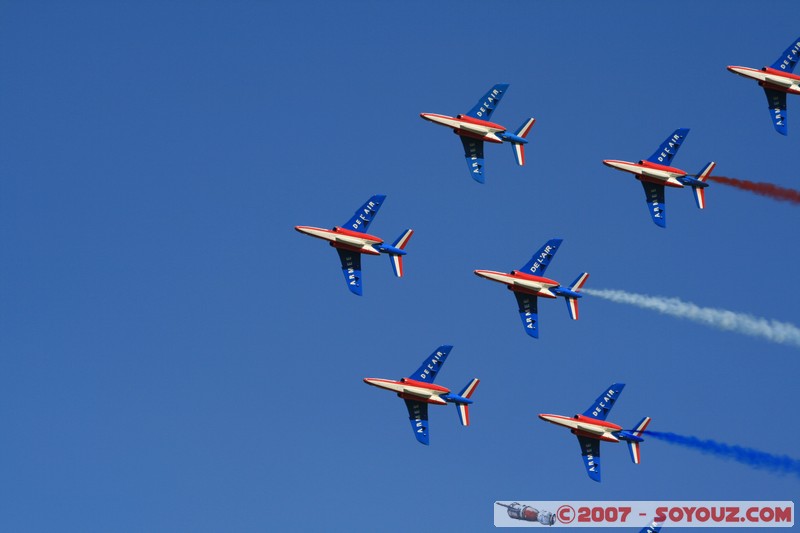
480,273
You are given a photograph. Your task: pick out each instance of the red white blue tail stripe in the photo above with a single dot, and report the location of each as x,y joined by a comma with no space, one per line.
633,446
397,259
572,308
463,408
572,303
700,192
519,148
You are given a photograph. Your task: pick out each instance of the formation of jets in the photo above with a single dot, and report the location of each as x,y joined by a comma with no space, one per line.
529,282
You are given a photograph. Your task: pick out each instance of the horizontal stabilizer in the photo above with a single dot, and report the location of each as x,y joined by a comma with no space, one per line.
470,388
700,192
633,446
572,302
463,413
397,259
577,285
641,426
466,393
572,307
635,452
519,148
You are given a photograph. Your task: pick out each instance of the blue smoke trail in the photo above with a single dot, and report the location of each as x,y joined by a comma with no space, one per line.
782,464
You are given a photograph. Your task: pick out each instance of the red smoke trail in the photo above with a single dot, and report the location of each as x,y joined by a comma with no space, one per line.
764,189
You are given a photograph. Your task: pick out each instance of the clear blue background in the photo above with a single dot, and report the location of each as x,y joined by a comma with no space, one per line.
175,357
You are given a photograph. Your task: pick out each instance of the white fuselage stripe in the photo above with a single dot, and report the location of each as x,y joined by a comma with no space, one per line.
328,235
654,173
768,77
405,388
582,425
507,279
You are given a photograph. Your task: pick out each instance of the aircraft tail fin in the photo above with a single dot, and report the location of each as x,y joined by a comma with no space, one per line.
519,148
572,302
633,445
463,408
700,191
397,258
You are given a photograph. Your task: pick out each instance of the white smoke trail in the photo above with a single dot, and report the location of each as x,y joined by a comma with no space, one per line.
772,330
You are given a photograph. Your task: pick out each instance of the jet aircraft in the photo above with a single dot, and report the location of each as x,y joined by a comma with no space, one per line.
528,284
473,128
591,428
655,173
418,391
352,240
777,81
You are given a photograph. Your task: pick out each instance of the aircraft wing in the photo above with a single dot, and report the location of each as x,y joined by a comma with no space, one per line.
431,366
418,415
351,267
529,312
777,109
789,58
590,450
541,259
365,214
654,194
652,528
473,151
486,105
668,149
602,405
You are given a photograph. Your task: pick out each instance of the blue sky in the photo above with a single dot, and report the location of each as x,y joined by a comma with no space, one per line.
177,358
